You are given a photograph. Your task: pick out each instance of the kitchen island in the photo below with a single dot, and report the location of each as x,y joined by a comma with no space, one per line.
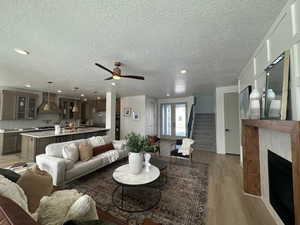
34,143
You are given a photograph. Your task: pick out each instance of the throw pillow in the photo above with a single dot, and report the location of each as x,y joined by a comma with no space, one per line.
119,145
70,152
54,209
85,151
103,148
96,141
14,192
36,184
84,207
107,139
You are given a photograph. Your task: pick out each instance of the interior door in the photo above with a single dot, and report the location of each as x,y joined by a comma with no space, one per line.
173,120
231,115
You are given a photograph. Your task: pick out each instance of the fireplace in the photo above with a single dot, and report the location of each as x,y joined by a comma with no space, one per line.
281,187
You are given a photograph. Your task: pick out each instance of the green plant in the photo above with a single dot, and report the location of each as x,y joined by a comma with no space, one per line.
137,143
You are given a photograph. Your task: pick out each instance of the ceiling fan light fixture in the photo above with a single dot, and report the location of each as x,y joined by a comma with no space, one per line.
116,77
183,71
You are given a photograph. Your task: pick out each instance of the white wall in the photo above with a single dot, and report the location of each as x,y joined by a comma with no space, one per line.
205,104
284,34
137,104
188,100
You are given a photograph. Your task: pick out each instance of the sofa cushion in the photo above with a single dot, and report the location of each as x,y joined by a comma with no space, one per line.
68,164
96,141
71,152
85,151
14,192
103,148
55,149
36,184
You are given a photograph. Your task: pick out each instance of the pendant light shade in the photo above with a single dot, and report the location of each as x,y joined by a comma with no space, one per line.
75,108
47,105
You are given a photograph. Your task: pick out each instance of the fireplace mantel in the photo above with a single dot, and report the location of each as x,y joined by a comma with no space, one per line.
251,158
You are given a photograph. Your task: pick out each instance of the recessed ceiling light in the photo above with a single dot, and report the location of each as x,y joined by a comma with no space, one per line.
98,97
167,94
183,71
113,84
85,99
28,85
59,91
82,95
21,51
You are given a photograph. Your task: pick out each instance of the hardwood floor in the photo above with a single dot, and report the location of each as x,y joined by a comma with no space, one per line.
227,204
8,160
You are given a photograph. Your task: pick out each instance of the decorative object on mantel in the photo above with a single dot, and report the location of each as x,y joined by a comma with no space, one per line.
277,103
136,145
127,111
245,102
136,116
255,103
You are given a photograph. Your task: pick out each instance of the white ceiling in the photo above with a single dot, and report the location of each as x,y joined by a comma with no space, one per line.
212,39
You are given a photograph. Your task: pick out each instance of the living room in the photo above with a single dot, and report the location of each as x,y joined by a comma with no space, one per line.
149,112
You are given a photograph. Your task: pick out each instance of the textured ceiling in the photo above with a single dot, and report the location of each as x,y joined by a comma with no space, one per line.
212,39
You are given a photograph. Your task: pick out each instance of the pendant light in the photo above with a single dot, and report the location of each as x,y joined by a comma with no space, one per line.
47,105
75,107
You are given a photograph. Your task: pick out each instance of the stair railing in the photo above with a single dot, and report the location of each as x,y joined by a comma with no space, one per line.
191,122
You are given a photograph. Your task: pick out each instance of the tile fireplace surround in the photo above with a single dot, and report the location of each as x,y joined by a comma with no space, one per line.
253,172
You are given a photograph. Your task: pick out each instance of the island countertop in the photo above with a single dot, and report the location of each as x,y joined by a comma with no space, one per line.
51,133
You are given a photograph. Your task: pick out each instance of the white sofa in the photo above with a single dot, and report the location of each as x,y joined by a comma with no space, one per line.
64,171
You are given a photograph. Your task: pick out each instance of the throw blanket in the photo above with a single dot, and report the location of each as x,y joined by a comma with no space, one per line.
186,148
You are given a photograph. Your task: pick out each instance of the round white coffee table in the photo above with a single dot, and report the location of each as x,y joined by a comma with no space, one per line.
134,193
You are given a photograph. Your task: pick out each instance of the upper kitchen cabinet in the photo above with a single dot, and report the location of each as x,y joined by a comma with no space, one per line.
16,105
100,105
7,105
25,106
67,107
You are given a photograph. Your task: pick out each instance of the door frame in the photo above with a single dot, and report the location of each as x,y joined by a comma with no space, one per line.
173,120
220,116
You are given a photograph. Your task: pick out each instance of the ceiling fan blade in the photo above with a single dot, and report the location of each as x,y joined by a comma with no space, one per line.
133,77
109,78
103,67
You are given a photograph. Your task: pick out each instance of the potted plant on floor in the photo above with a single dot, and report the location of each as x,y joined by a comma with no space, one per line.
136,145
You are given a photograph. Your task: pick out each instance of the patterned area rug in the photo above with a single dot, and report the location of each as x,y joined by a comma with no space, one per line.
183,198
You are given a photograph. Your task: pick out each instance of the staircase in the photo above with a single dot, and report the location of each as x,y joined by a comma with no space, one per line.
204,132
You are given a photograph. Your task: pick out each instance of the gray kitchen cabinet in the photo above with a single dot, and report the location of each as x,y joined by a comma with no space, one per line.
31,113
15,105
21,107
7,105
8,143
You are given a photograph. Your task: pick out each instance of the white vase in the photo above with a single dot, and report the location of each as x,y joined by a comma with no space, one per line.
254,106
135,161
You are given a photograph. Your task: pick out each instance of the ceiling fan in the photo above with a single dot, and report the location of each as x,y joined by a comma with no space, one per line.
116,72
